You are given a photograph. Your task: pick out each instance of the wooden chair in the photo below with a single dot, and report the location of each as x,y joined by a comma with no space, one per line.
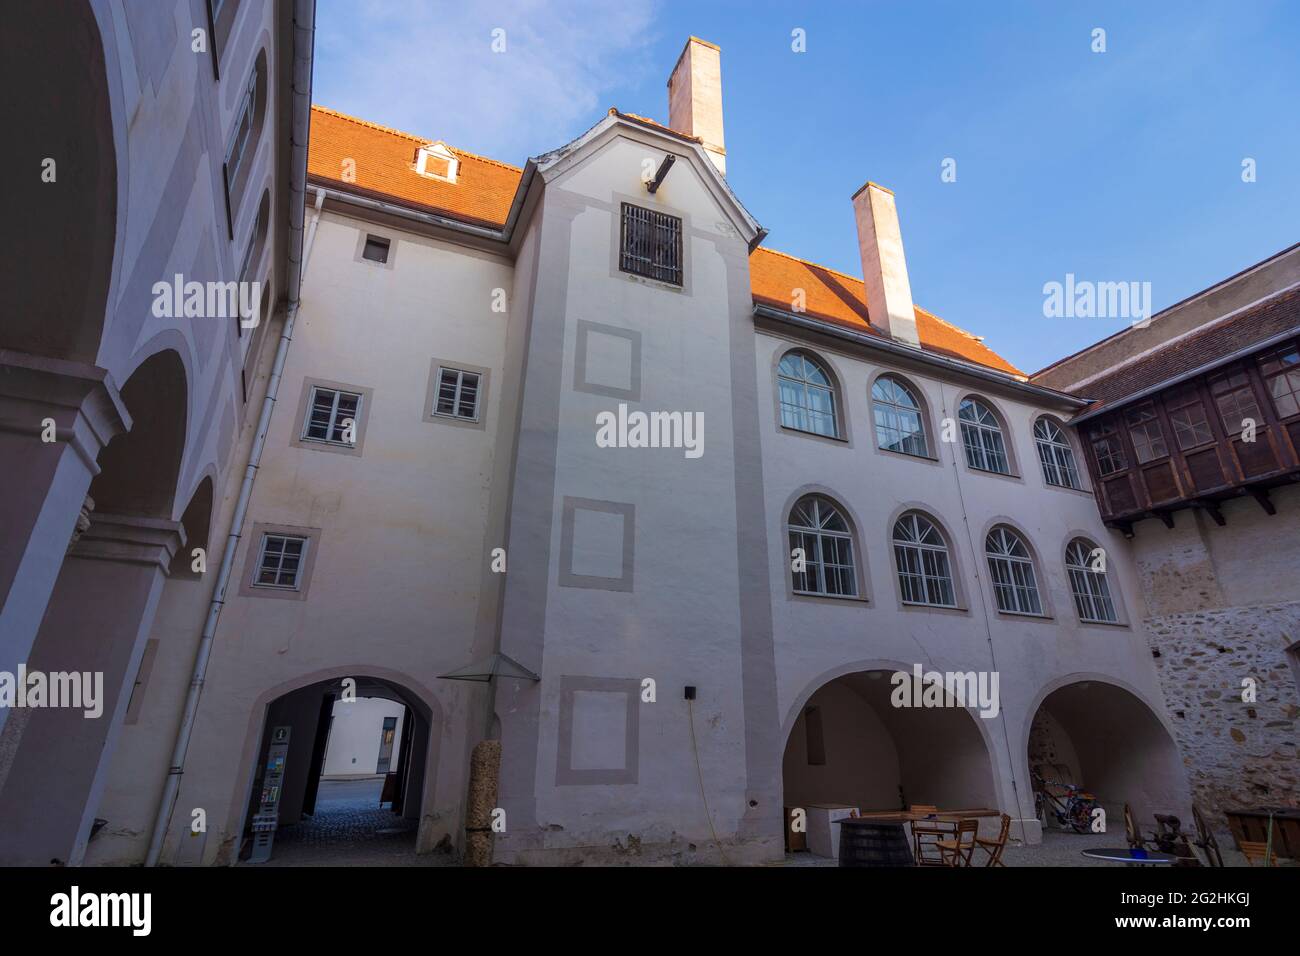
925,835
1256,852
1131,830
1205,839
994,848
958,850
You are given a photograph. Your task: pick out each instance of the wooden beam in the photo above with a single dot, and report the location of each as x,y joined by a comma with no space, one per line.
1167,517
1212,509
1261,495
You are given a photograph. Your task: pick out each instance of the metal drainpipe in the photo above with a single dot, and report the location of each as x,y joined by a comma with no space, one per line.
304,22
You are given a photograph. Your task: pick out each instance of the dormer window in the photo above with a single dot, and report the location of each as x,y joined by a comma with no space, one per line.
437,162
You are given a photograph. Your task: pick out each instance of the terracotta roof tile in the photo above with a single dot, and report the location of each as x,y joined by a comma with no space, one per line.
384,161
839,298
385,165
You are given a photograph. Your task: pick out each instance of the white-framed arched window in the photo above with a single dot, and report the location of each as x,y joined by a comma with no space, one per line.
981,434
807,395
1055,455
1011,569
821,543
1085,563
924,567
900,421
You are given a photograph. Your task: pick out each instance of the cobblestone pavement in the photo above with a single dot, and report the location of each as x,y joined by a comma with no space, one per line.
349,828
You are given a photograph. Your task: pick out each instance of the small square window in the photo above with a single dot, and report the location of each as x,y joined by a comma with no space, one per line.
332,416
376,249
458,393
280,563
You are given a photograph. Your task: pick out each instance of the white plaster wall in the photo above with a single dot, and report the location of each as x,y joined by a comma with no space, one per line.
355,736
395,585
818,638
680,623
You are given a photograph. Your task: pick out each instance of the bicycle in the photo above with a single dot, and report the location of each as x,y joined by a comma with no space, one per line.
1074,811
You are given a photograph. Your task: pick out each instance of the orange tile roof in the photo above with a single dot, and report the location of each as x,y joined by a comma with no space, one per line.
385,165
839,298
484,190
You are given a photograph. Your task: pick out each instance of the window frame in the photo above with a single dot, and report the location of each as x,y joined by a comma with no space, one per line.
1289,374
1003,578
263,552
981,428
334,421
846,537
836,413
460,374
895,410
1226,385
1146,433
1061,453
921,548
253,561
1082,572
1179,403
1106,432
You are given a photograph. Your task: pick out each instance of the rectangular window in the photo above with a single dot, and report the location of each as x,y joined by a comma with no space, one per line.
280,563
1236,401
1107,450
1281,370
237,153
376,249
458,393
1148,437
332,417
1187,416
651,244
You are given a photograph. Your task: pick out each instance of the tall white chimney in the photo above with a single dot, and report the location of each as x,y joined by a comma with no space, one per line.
695,97
884,269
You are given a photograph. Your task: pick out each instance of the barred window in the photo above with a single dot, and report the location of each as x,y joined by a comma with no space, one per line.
1012,572
458,393
807,395
982,437
329,415
899,425
819,531
651,244
924,570
1055,455
1088,583
280,562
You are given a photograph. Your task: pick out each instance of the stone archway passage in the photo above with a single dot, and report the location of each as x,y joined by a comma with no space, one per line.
1105,739
849,746
325,815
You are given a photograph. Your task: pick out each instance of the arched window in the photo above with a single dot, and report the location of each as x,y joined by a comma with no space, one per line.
899,423
1086,566
1055,455
924,571
982,436
807,395
820,533
250,112
1012,571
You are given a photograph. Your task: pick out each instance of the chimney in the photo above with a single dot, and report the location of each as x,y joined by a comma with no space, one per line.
884,270
695,97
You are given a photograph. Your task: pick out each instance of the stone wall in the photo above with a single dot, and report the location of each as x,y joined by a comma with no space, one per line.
1239,753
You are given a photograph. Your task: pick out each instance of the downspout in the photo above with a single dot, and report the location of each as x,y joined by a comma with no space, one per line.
304,19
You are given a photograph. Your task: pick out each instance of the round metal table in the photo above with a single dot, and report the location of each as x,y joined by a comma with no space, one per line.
1128,855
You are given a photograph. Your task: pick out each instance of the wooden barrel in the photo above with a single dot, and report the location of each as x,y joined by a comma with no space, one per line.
866,842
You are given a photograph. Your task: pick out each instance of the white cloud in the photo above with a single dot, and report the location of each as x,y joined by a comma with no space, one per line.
430,68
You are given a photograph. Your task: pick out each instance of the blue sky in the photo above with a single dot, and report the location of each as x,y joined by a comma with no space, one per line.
1116,166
